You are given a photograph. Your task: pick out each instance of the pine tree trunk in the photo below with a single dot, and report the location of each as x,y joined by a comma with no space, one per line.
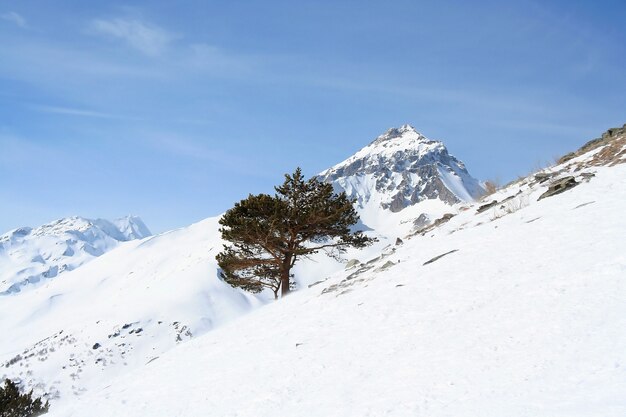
284,283
284,276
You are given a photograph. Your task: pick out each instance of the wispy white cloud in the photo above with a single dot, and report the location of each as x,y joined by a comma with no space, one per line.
15,18
147,38
69,111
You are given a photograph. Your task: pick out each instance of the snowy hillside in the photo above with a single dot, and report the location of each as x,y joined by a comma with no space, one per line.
511,319
28,256
117,312
401,169
512,307
122,310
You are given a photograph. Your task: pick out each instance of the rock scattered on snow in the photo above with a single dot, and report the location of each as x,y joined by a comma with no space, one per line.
559,186
430,261
487,206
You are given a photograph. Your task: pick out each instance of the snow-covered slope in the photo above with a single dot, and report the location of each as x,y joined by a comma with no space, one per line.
513,308
29,256
386,335
399,169
122,310
117,312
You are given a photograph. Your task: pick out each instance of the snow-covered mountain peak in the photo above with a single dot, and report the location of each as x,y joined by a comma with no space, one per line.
30,255
122,229
404,133
401,168
403,139
132,227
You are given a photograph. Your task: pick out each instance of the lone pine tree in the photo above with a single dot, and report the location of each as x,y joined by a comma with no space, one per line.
268,234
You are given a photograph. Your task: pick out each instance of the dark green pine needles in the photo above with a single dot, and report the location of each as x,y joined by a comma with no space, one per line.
268,234
14,404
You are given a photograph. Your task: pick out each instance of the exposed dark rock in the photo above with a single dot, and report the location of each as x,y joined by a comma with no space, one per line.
316,283
399,241
422,221
386,265
96,346
487,206
511,197
583,204
397,203
430,261
610,136
568,156
559,186
542,177
587,176
444,219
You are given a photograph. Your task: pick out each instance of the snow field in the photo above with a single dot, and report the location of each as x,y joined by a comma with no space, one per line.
527,318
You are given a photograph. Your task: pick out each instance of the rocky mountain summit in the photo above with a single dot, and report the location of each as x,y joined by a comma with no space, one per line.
30,255
401,168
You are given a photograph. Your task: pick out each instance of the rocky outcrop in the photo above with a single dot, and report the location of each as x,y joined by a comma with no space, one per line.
486,206
443,219
422,221
614,152
559,186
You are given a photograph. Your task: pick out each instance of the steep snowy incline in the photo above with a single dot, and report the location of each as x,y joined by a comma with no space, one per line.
515,310
71,335
116,312
29,256
401,169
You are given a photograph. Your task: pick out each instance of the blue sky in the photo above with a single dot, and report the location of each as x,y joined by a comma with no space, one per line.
175,110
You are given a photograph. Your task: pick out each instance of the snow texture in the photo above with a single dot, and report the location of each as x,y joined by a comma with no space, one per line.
525,318
514,311
29,256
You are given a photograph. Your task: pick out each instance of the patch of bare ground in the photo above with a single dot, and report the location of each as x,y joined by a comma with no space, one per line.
612,152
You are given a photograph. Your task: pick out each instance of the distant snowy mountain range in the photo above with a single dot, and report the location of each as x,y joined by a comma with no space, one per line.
28,256
461,313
